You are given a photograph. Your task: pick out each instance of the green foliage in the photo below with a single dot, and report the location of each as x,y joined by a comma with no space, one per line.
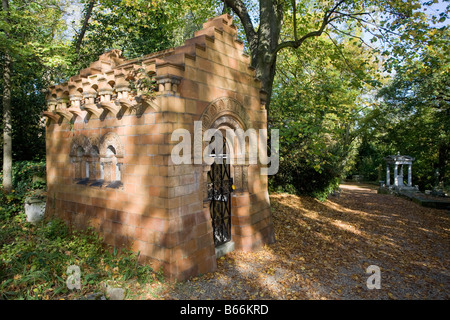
412,117
186,17
317,101
370,161
28,179
34,260
135,27
27,104
11,204
32,34
28,176
32,37
143,84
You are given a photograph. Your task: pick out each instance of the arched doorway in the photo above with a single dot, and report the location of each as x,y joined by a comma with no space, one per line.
224,178
219,189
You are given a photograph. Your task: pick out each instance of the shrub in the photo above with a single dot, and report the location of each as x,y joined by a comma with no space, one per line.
295,176
28,176
34,260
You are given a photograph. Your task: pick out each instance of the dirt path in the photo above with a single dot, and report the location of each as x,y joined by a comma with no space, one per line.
323,251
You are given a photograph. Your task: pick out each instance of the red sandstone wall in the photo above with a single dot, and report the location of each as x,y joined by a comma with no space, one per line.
159,209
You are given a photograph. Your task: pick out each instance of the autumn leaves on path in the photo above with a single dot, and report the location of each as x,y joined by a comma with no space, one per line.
323,250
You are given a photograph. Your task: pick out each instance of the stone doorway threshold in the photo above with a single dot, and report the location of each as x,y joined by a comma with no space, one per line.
225,248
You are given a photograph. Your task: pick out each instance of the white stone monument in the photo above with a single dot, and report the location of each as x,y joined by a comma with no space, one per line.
399,161
34,209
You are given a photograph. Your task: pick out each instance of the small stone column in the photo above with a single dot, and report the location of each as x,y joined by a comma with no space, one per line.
168,83
400,179
89,94
86,163
388,176
396,175
410,175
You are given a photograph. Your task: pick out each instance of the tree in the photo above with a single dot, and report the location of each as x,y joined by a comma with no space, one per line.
412,115
29,41
135,27
6,103
87,16
316,104
386,20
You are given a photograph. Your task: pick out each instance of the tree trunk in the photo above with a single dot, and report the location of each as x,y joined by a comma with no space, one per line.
84,27
263,50
7,137
226,8
265,43
265,72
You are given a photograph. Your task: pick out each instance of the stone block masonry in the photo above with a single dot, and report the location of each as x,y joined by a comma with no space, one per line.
109,150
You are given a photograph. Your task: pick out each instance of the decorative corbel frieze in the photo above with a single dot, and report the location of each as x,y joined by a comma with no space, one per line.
75,96
51,104
76,111
89,93
122,85
168,83
62,96
127,103
64,113
51,116
104,90
76,99
110,107
92,108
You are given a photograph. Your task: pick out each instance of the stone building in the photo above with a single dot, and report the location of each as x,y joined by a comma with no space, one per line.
398,162
109,143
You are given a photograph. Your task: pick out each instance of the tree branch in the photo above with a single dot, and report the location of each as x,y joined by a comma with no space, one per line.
342,54
240,9
294,18
353,36
298,42
84,27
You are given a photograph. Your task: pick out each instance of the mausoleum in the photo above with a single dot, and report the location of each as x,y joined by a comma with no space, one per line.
109,143
398,162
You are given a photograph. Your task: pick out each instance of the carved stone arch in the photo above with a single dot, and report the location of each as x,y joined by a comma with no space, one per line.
77,158
94,145
111,139
224,113
111,152
79,141
225,106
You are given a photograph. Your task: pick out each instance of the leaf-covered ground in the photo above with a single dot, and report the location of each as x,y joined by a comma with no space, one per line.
324,248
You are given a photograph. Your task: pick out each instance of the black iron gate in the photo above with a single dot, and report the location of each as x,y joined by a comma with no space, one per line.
220,186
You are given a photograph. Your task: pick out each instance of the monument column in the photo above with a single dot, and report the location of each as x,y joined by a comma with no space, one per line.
388,176
400,180
410,175
395,174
